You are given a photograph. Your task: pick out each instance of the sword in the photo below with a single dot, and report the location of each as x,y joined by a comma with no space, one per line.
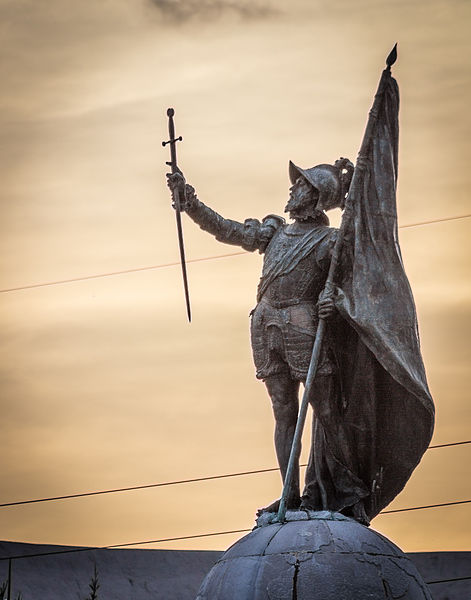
176,199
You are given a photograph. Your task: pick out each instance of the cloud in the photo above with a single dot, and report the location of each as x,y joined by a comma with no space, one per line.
180,11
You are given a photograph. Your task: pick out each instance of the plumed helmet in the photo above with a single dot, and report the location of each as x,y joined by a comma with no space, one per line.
331,181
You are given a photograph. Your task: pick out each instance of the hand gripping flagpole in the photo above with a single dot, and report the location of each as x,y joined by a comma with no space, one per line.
176,200
355,185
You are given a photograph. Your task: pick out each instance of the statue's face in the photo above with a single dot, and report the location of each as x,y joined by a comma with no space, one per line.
301,196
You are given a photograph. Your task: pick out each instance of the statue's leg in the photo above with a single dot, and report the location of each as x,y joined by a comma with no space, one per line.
283,391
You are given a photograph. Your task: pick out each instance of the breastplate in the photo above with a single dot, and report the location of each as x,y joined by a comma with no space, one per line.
302,284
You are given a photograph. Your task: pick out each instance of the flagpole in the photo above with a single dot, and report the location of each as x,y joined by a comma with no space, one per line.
328,291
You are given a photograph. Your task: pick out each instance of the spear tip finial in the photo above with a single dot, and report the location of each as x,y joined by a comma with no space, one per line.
392,57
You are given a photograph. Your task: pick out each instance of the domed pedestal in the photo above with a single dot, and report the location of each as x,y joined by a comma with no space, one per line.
313,556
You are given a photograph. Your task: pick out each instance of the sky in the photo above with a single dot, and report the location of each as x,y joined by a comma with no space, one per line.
104,383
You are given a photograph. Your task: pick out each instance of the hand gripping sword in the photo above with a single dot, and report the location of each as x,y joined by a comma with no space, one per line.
355,184
176,200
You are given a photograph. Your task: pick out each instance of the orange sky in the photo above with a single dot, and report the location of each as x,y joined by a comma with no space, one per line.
104,383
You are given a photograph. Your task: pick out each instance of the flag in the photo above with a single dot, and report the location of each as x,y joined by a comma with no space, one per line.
367,446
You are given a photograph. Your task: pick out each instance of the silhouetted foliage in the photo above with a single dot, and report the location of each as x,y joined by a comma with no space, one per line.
93,585
4,589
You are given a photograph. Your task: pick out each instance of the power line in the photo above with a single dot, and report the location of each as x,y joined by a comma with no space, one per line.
167,483
448,580
187,537
173,264
178,482
113,273
111,546
434,221
173,539
138,487
397,510
450,444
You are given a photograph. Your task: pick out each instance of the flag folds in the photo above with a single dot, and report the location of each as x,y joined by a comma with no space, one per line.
366,447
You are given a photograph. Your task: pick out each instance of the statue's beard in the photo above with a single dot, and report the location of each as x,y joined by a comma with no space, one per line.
301,209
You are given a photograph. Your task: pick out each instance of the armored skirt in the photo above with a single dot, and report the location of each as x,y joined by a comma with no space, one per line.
282,340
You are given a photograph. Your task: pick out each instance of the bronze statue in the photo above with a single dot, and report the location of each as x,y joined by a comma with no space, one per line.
373,414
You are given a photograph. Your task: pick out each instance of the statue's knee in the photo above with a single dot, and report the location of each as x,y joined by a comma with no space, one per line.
284,409
284,398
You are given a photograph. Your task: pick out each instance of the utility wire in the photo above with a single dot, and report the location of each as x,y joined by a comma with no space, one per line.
185,537
113,273
111,546
173,264
434,221
448,580
397,510
138,487
167,483
450,444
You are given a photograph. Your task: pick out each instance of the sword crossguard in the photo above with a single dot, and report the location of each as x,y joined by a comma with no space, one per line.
178,139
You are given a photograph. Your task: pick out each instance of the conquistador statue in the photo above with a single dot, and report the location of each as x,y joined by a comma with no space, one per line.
372,411
284,322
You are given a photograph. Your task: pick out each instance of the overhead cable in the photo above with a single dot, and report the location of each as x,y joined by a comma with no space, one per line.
397,510
448,580
183,537
432,221
112,546
173,264
178,482
113,273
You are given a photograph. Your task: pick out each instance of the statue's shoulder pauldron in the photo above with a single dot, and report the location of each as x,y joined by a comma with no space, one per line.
269,226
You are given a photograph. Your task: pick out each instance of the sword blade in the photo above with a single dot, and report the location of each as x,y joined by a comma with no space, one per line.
182,254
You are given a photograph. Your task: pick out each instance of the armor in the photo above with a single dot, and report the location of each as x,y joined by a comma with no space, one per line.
296,262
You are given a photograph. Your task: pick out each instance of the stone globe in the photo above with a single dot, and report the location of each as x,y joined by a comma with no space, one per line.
313,556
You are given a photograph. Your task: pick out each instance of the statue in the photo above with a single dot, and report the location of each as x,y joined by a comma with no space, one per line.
372,411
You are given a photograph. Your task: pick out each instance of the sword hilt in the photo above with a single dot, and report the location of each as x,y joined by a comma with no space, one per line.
172,141
178,139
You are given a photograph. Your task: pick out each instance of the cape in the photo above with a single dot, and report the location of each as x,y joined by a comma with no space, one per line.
367,446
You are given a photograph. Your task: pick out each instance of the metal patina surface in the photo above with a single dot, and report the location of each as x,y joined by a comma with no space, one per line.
335,313
313,556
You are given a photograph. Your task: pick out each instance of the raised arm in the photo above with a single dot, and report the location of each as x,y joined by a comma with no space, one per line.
251,235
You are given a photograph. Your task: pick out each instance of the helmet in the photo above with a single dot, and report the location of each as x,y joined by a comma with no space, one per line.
331,181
